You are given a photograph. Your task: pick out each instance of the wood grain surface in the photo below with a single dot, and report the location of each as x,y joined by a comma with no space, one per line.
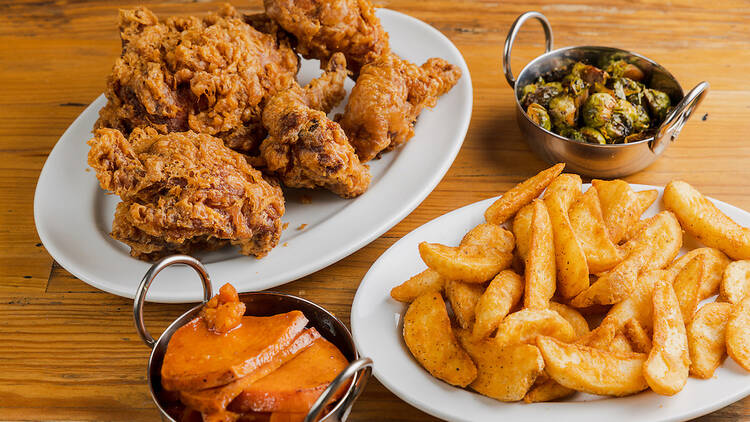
70,352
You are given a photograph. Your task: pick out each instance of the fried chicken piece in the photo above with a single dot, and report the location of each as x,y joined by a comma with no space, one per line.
324,27
304,148
210,75
183,192
387,99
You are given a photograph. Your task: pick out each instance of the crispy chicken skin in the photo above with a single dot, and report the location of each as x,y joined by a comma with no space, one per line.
324,27
211,75
183,192
387,99
304,148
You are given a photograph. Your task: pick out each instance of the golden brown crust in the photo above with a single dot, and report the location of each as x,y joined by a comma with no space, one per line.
323,28
386,100
210,75
304,148
185,191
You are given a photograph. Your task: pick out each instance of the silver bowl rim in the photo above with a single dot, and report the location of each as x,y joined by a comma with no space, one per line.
546,55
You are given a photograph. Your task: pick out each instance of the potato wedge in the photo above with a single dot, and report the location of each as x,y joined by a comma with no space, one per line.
735,285
588,225
666,369
600,337
706,338
639,305
654,247
463,298
702,219
504,292
570,259
521,194
574,318
714,264
738,334
547,390
687,286
427,281
637,335
504,373
644,199
525,325
621,207
472,264
540,263
522,230
620,344
489,236
595,371
430,339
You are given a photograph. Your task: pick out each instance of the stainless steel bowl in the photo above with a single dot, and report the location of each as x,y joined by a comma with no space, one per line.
258,304
595,160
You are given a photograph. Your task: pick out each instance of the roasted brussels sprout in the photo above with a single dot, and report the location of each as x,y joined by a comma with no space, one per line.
539,115
598,108
606,104
563,110
592,135
658,103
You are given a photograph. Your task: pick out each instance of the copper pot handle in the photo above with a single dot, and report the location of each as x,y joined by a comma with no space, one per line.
361,368
140,294
676,119
512,37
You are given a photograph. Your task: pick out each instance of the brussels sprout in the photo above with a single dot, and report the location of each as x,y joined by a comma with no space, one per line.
597,109
621,68
641,122
658,103
563,110
592,135
589,74
571,133
542,94
574,85
616,128
628,112
538,115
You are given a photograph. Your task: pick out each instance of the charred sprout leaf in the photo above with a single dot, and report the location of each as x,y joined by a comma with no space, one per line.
658,103
616,129
562,109
637,137
598,108
574,85
592,135
542,94
538,115
571,133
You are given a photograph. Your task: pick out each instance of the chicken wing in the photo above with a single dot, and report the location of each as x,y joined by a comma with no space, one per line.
209,75
387,99
304,148
184,191
324,27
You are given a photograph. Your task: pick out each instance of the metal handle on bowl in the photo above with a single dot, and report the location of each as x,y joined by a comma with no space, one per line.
676,119
140,294
512,37
361,366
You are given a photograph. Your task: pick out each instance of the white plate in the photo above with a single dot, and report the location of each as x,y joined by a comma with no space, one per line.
74,216
376,325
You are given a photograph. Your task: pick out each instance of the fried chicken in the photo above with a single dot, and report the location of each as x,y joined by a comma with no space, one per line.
304,148
184,191
210,75
387,99
324,27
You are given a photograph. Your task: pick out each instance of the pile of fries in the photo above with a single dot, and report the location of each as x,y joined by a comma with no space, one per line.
518,286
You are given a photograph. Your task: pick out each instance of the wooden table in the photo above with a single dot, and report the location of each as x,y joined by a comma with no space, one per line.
70,352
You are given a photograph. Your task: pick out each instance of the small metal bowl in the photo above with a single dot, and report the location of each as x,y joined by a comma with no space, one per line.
258,304
595,160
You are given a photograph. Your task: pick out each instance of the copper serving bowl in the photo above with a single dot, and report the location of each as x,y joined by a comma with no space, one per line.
258,304
596,160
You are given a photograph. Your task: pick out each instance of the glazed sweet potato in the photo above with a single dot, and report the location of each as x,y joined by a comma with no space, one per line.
217,399
198,358
294,387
